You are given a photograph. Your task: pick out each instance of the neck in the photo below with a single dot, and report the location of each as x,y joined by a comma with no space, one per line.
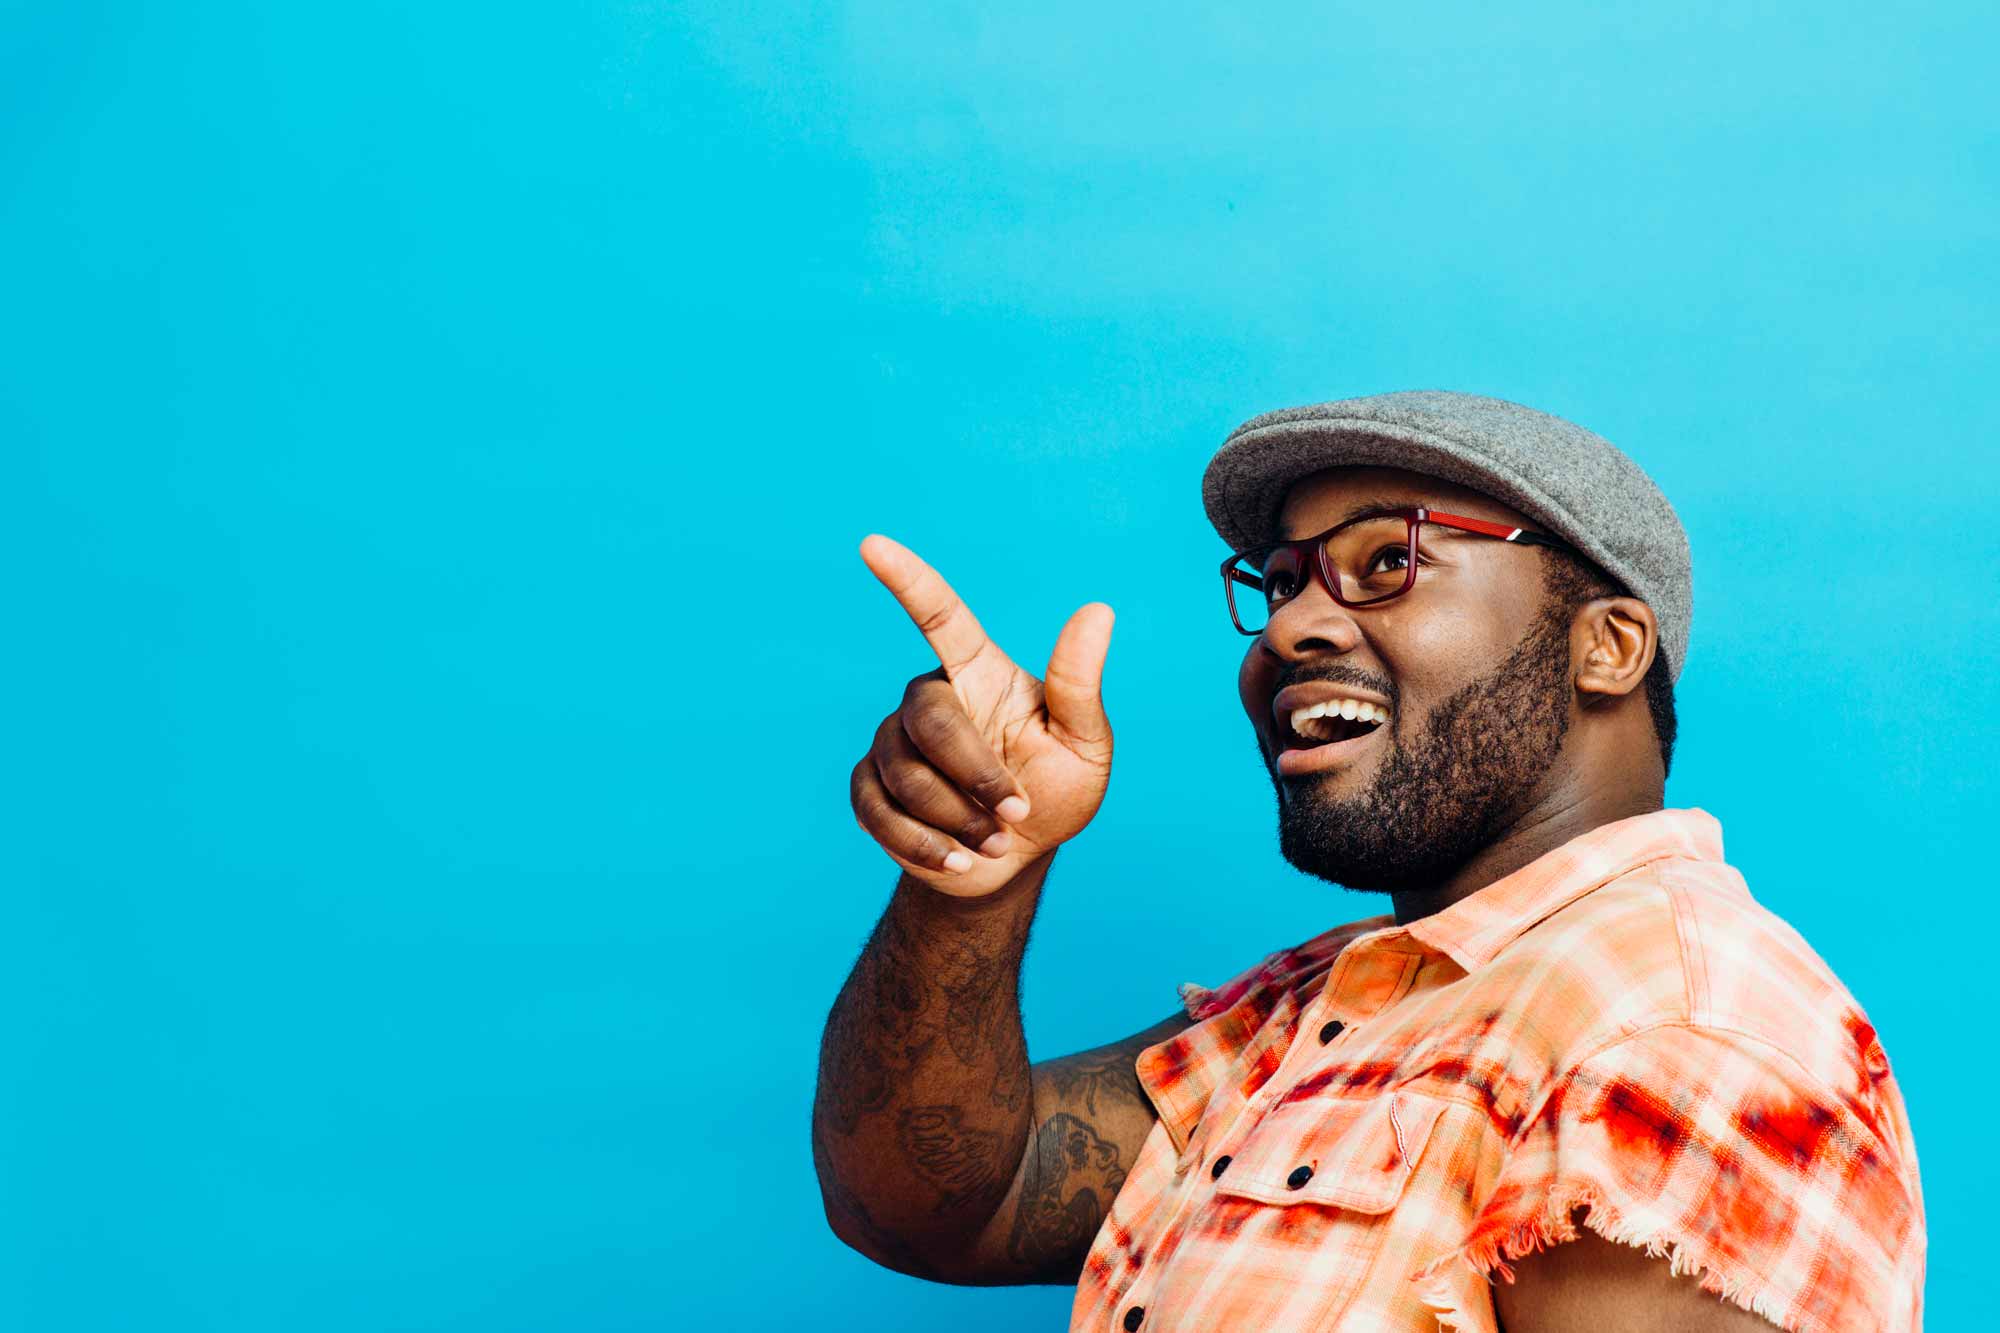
1569,811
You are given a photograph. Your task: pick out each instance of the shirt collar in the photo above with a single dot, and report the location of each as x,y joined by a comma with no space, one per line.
1473,930
1180,1073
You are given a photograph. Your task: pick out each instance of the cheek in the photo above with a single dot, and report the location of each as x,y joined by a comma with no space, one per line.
1256,681
1440,647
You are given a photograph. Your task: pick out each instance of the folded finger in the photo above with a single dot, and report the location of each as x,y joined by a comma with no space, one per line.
930,797
938,726
914,843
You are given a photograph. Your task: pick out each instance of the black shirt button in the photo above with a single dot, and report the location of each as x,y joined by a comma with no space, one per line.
1298,1178
1221,1165
1330,1031
1133,1317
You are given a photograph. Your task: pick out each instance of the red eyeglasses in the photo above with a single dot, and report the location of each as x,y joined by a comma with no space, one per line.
1349,558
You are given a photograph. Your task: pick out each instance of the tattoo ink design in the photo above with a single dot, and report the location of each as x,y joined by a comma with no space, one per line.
881,1050
839,1199
1011,1079
975,995
1072,1176
899,992
964,1163
1111,1076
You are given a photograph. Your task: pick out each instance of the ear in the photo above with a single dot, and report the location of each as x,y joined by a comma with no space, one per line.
1613,640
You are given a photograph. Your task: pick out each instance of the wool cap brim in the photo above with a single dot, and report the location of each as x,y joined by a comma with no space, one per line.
1572,481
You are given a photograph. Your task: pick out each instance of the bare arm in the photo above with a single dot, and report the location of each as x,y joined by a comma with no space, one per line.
1091,1117
923,1097
940,1150
1589,1284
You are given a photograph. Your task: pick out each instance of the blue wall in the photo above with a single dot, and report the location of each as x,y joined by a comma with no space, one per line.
435,441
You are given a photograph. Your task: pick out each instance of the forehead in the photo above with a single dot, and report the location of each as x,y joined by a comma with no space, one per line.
1316,502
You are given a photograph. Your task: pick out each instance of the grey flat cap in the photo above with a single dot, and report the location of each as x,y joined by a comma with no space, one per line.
1574,482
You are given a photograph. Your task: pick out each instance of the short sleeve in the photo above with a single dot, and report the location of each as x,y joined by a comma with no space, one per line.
1720,1153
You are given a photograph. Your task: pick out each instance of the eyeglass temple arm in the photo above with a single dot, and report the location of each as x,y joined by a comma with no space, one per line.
1504,531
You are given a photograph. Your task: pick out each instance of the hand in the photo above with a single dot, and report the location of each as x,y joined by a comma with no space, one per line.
980,747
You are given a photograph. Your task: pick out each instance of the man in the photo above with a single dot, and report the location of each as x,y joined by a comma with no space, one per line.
1576,1079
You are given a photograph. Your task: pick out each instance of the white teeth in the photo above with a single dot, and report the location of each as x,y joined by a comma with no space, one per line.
1307,721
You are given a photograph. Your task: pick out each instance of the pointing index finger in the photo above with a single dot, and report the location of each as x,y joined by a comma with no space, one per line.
954,634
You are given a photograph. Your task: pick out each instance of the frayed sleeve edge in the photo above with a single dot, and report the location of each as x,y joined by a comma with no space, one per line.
1553,1224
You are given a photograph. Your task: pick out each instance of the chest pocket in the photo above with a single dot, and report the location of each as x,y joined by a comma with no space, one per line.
1353,1155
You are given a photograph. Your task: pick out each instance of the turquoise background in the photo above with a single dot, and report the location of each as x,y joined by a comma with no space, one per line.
435,443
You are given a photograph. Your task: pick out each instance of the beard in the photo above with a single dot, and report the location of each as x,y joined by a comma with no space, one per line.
1440,797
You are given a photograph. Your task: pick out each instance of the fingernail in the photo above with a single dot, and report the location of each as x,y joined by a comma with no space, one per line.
996,844
958,861
1013,809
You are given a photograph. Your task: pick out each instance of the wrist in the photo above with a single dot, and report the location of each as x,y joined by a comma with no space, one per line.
1009,899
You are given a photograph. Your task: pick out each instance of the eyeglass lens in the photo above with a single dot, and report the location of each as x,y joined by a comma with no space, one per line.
1371,560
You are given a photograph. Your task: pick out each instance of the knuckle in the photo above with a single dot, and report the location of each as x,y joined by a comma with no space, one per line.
866,800
930,725
887,731
925,846
927,683
912,784
936,620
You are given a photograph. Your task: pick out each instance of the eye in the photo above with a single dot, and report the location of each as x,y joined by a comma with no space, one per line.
1399,549
1283,576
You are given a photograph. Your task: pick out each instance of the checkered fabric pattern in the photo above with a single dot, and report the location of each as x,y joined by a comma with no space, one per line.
1360,1132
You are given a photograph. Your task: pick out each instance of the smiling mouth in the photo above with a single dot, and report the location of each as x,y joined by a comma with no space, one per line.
1321,744
1330,729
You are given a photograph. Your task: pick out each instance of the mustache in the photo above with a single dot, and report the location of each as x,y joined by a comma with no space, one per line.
1351,679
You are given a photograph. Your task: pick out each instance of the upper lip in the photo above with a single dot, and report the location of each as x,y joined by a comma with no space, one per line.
1294,697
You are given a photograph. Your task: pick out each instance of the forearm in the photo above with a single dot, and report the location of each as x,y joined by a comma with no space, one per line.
923,1110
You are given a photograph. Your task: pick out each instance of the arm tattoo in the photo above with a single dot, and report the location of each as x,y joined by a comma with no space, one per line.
884,1045
976,995
925,1095
1011,1079
840,1199
963,1162
1072,1176
1112,1075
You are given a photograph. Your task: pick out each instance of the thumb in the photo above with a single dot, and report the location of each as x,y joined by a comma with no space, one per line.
1074,686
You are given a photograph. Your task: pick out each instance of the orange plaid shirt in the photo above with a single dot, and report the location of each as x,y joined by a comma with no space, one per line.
1358,1132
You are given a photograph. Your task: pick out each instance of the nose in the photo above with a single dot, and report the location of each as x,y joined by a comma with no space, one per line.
1310,623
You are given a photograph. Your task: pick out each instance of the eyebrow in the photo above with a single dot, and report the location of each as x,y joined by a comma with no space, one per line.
1368,508
1379,505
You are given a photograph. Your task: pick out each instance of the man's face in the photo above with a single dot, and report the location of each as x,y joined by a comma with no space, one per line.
1472,664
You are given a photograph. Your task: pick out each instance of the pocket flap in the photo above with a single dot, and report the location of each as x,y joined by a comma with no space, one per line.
1342,1154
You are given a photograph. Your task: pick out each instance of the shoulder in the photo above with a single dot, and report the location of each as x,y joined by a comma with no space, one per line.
1798,1199
1276,973
1681,942
1749,972
1703,1003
